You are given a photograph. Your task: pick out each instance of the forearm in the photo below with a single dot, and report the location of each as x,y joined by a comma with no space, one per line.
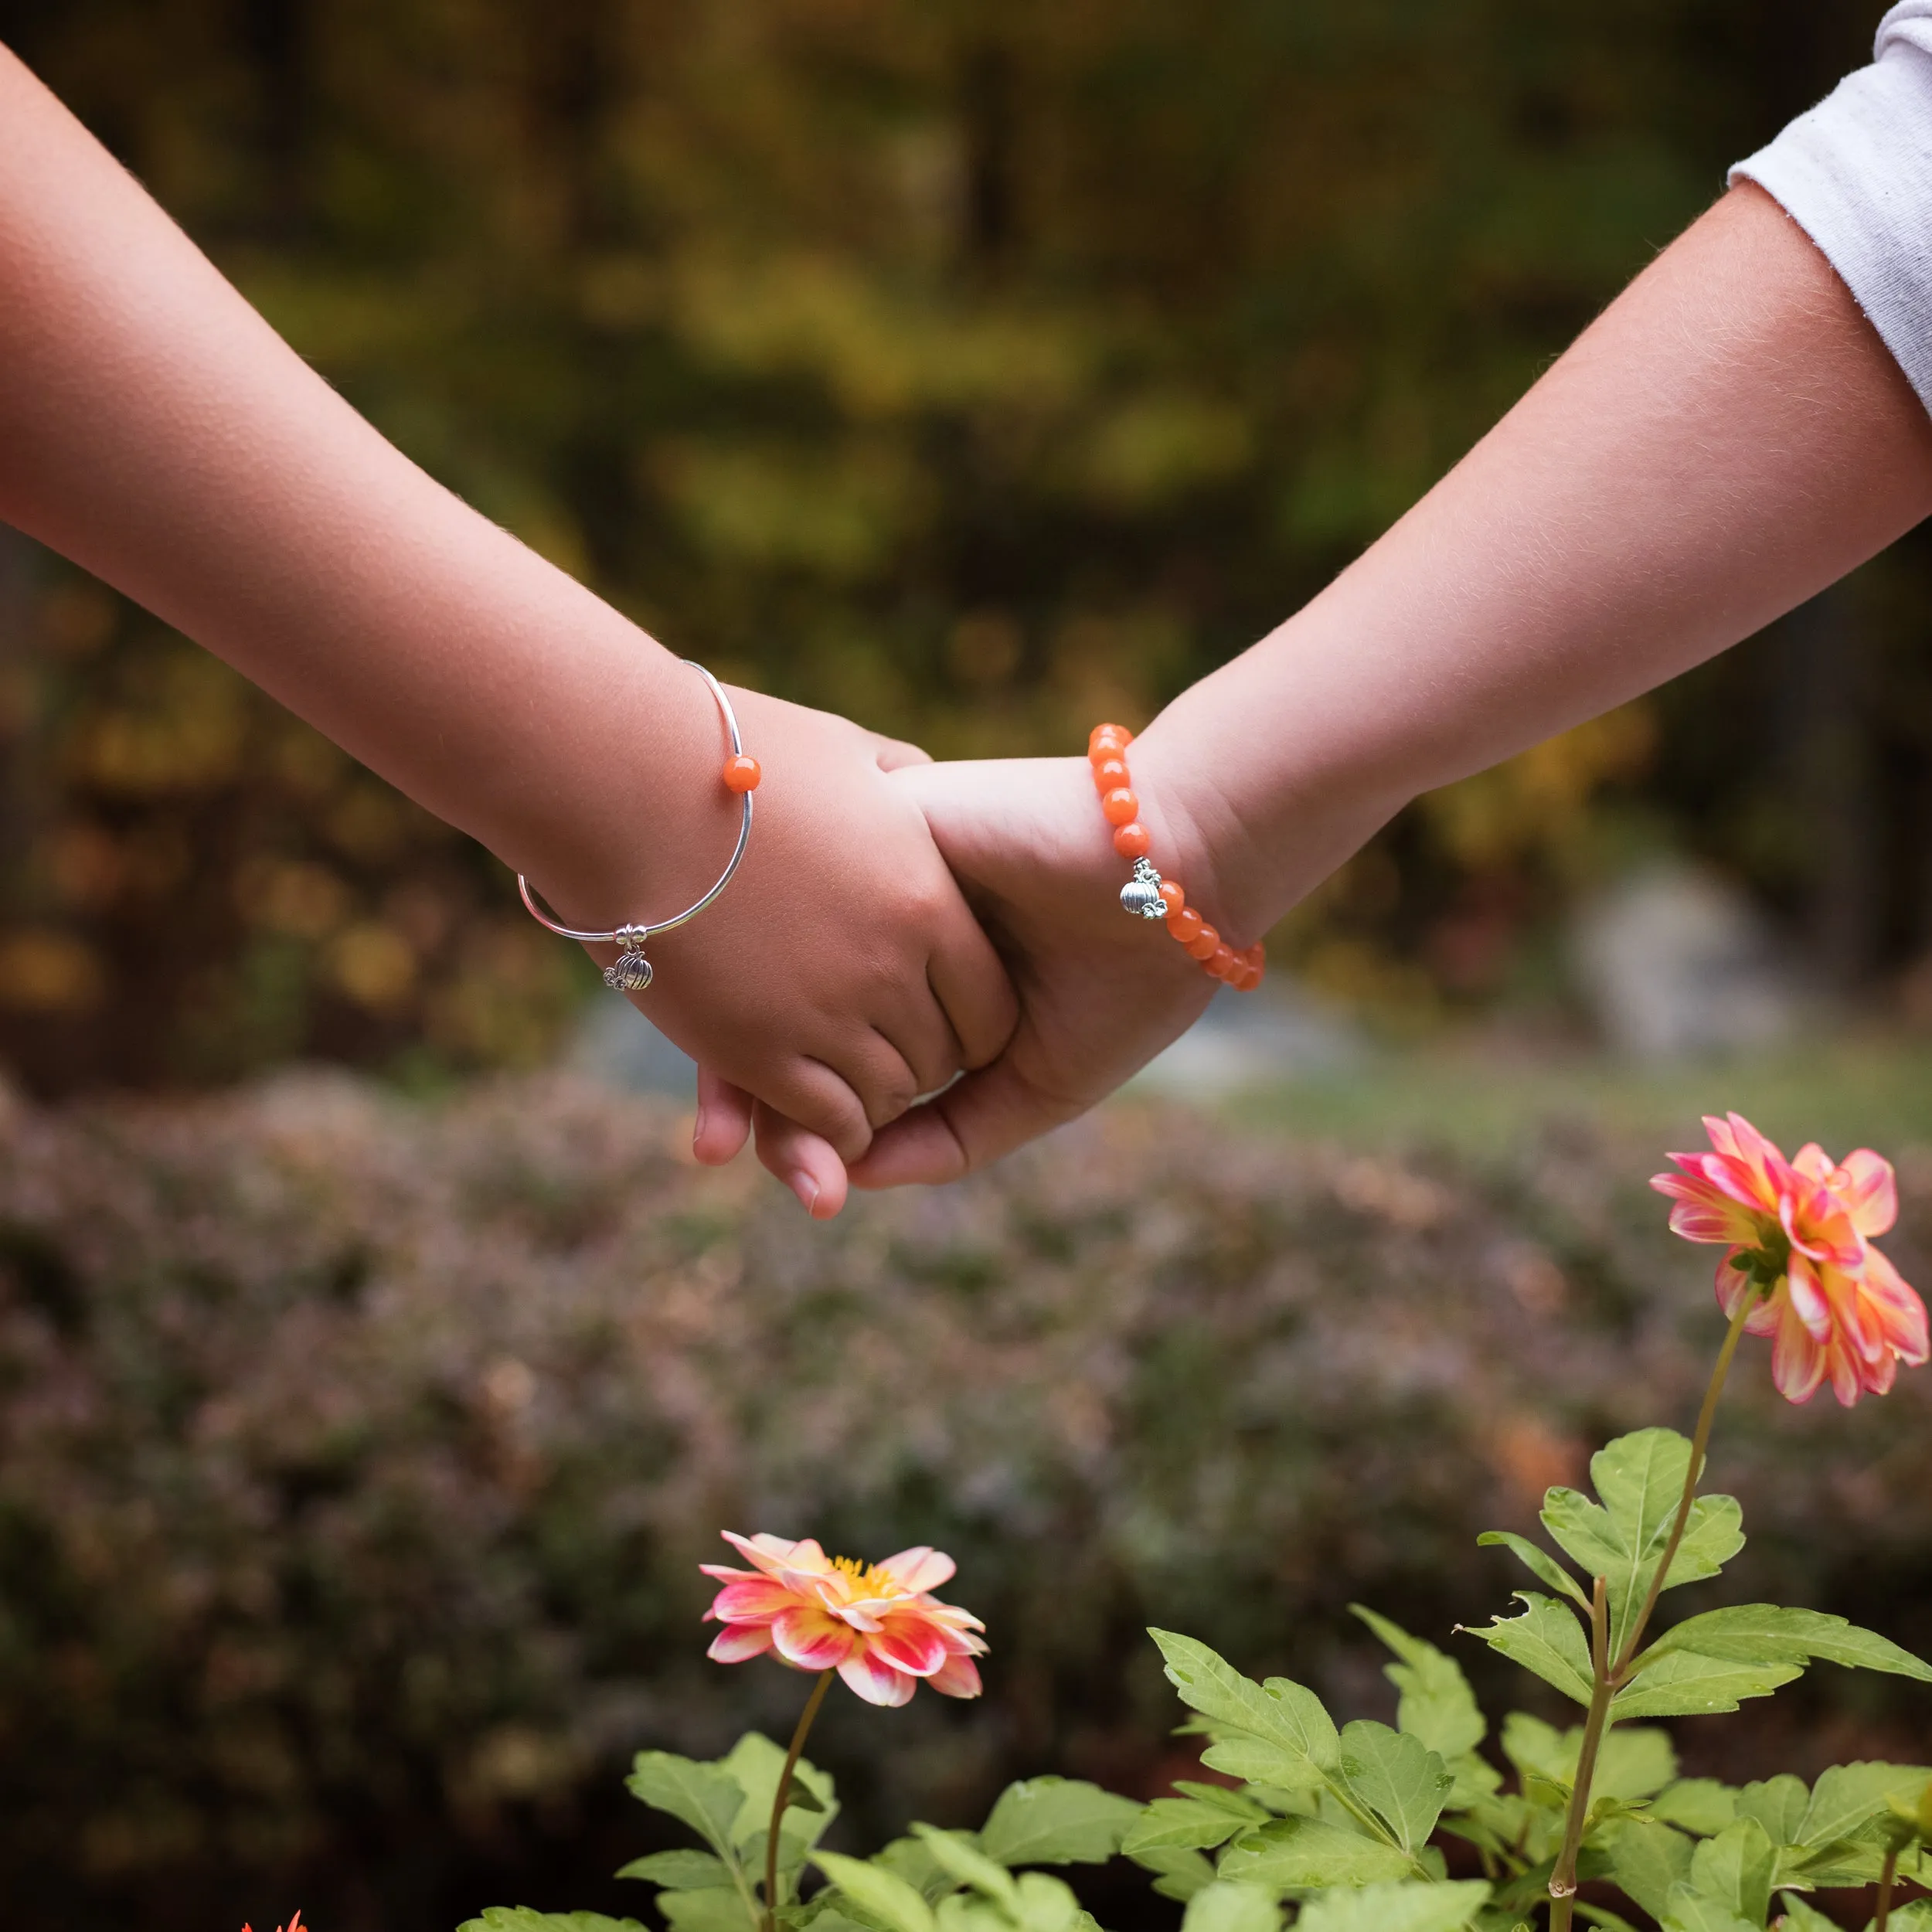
1730,436
154,429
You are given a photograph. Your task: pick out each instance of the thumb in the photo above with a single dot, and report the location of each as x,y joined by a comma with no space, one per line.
976,1121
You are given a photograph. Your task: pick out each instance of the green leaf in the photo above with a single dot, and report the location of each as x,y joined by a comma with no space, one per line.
1646,1860
1184,1821
1769,1634
1396,1908
1545,1639
1686,1684
1056,1821
1401,1780
1688,1911
1631,1764
1047,1904
1778,1804
1800,1917
953,1854
1298,1738
916,1865
1640,1479
1224,1907
710,1911
520,1918
1916,1916
1849,1796
1736,1869
679,1871
705,1797
755,1764
1540,1564
1293,1852
1436,1704
878,1894
1699,1804
1598,1915
1179,1874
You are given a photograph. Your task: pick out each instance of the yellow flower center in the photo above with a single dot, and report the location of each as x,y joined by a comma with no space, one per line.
867,1580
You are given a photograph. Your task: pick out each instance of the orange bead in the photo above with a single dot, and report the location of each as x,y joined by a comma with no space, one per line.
1110,773
1171,894
1257,955
741,773
1133,841
1242,976
1185,925
1202,945
1120,806
1111,739
1218,962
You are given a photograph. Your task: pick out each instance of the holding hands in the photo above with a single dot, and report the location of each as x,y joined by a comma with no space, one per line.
1729,437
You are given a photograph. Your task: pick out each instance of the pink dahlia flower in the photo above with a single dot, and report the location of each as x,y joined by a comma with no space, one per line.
1798,1234
875,1625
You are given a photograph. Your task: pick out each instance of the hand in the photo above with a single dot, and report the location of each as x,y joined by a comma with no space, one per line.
840,974
1101,993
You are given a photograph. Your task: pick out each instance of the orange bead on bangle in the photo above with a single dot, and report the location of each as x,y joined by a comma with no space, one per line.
1147,895
742,773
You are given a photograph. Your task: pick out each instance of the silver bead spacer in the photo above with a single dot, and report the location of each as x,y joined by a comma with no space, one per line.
1141,894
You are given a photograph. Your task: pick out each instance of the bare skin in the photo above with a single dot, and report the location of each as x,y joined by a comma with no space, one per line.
1728,438
153,429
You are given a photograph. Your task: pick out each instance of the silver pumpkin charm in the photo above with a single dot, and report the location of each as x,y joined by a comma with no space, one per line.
630,972
1141,894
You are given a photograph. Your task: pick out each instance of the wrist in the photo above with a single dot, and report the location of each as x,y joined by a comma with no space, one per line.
1251,835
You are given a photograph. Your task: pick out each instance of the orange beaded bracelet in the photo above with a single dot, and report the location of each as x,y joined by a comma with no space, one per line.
1147,895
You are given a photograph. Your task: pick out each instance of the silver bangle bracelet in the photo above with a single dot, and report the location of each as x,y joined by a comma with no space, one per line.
630,971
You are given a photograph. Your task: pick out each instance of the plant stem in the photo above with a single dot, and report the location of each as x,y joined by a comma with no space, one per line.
783,1791
1563,1878
1700,1442
1887,1874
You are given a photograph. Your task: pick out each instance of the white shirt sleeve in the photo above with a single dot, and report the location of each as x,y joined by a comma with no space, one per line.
1855,174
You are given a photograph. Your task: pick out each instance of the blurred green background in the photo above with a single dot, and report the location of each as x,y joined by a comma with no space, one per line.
980,370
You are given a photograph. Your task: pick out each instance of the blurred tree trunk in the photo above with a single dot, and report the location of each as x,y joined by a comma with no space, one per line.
1826,668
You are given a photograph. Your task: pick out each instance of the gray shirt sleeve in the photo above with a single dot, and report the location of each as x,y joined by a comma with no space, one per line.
1855,174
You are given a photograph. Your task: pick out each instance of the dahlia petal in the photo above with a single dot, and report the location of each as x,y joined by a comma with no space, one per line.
765,1551
1703,1220
1880,1376
908,1645
725,1574
1869,1190
737,1643
1897,1309
875,1680
1847,1384
1813,1163
1809,1302
1798,1359
957,1677
758,1599
921,1568
812,1639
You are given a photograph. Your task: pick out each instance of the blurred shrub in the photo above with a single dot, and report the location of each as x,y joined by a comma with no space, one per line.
356,1458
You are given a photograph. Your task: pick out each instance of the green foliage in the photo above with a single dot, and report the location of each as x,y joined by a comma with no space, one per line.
1056,1821
520,1918
1638,1480
1397,1908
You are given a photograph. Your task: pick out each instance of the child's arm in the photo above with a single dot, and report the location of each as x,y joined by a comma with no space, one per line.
1729,437
153,429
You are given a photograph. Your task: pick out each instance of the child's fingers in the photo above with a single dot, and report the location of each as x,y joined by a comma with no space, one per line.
806,1165
723,1123
969,980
